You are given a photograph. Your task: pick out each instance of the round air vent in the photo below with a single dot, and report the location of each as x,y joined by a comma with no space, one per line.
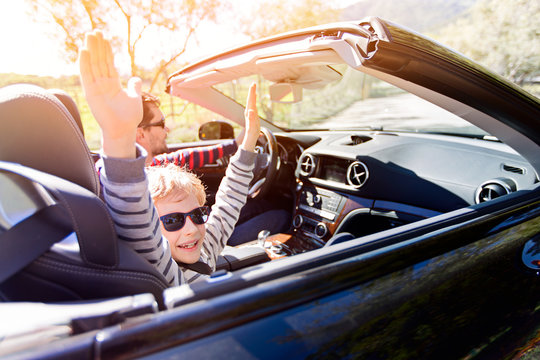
320,230
307,165
493,189
357,174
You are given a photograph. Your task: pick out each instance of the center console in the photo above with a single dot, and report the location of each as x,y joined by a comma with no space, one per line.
316,218
323,217
316,214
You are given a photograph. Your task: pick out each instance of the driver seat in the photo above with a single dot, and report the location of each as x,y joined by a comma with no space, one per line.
46,163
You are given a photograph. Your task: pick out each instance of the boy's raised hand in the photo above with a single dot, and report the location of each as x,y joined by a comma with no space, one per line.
118,111
253,126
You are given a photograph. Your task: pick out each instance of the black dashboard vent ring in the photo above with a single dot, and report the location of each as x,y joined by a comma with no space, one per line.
357,174
308,165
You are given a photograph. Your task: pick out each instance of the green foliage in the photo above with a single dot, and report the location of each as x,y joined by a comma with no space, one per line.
499,34
503,35
47,82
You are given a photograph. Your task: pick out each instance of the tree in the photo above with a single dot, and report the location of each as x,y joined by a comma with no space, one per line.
277,16
501,34
132,25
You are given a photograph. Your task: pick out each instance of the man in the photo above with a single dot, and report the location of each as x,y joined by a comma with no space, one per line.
152,135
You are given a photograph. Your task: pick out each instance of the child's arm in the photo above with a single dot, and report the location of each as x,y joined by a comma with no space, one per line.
233,190
118,112
125,191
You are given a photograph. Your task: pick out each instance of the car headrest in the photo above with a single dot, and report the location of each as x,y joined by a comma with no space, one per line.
36,130
70,104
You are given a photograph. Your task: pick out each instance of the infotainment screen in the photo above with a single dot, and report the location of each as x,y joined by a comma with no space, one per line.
334,169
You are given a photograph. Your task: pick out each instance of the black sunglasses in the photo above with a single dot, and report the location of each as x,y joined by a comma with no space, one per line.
176,221
160,123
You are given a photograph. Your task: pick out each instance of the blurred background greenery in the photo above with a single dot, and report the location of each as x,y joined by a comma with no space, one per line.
502,35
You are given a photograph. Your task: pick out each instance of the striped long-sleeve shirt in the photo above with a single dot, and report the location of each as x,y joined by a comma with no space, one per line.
125,190
193,158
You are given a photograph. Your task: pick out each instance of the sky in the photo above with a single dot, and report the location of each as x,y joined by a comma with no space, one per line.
27,49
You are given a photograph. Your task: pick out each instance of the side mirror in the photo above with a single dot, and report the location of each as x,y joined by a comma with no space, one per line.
215,130
286,93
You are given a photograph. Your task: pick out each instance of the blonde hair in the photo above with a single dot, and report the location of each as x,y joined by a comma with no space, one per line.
168,180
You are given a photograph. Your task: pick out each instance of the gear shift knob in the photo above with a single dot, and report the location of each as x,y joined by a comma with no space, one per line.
261,237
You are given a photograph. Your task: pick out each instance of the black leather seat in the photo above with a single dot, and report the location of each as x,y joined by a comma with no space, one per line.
38,132
70,105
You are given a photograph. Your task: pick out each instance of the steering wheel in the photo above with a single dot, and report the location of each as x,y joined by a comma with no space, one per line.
266,165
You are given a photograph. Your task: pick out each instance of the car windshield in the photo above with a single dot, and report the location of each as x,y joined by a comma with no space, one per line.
355,101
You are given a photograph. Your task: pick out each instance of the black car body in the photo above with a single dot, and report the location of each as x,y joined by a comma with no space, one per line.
433,253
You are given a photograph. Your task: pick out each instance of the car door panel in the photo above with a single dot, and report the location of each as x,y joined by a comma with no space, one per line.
464,282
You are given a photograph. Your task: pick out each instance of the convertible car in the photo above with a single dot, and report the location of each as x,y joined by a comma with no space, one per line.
410,174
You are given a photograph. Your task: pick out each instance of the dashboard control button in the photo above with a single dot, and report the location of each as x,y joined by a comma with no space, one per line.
298,221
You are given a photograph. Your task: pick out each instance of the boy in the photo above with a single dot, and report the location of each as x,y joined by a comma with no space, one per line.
256,215
118,112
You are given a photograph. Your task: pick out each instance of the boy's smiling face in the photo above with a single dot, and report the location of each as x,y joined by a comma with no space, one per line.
186,243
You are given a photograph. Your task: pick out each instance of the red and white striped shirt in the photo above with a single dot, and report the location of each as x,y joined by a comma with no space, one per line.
193,158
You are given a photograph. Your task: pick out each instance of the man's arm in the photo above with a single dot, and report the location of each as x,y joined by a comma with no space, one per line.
197,157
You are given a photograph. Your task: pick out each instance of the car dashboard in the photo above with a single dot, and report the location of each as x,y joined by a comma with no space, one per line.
363,182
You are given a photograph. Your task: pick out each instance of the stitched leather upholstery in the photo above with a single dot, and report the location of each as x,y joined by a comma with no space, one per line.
70,105
38,131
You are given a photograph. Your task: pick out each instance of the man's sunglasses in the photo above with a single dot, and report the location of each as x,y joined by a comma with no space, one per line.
176,221
160,123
